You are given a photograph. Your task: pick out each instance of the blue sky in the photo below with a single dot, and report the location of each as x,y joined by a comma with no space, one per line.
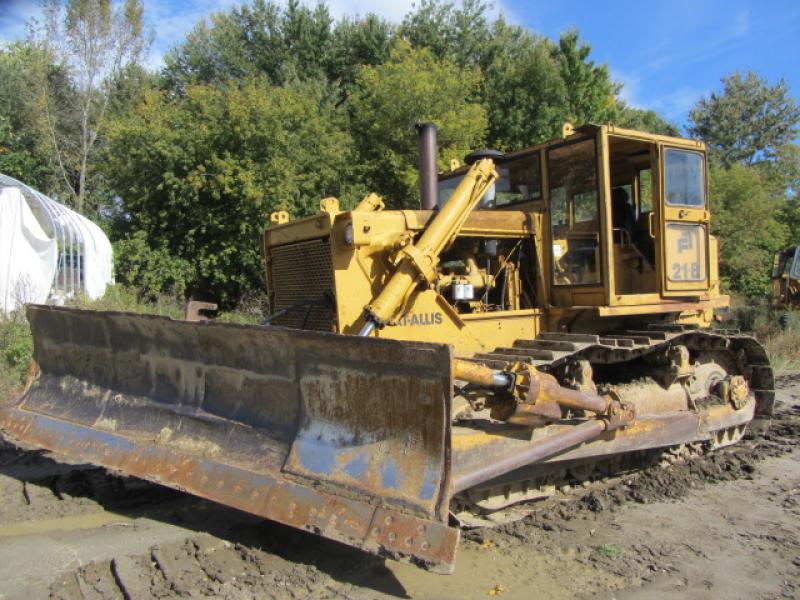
667,54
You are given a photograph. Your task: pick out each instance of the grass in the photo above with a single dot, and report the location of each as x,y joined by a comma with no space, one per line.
784,351
609,550
125,299
756,316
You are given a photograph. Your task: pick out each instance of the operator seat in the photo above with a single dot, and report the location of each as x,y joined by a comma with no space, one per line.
622,213
623,216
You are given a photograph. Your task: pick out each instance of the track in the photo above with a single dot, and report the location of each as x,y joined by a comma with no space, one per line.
627,358
551,352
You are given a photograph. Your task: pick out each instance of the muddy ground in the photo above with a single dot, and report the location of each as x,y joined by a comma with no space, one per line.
724,525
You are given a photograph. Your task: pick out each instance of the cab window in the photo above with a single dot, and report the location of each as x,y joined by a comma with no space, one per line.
574,213
684,178
519,181
446,187
795,274
645,192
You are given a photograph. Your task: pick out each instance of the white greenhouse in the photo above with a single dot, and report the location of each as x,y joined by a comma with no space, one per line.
47,251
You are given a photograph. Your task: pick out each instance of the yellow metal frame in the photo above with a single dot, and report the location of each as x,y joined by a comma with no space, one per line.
364,249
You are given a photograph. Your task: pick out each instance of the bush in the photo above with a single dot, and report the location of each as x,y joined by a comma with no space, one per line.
784,350
17,344
16,351
198,175
154,272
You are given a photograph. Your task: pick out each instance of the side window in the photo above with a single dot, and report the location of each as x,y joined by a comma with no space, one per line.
574,213
446,188
684,178
520,180
645,191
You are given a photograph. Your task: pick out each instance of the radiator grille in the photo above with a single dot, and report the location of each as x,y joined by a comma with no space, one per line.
301,277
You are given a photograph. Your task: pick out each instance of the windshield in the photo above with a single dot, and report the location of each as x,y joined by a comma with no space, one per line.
685,179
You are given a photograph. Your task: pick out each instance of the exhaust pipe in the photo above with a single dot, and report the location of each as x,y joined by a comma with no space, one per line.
428,171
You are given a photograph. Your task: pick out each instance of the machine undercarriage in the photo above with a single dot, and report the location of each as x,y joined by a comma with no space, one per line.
663,370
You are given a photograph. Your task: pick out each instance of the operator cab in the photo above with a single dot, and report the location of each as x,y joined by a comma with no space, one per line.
625,213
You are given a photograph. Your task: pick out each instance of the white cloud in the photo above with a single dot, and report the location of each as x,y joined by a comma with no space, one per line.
675,105
393,10
741,24
631,87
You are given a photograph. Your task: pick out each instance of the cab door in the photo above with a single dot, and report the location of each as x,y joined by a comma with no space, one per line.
684,222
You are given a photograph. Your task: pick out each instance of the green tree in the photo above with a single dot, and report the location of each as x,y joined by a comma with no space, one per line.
742,196
588,90
784,170
22,153
284,44
413,86
459,33
91,43
523,91
356,43
531,85
198,175
784,173
748,122
16,158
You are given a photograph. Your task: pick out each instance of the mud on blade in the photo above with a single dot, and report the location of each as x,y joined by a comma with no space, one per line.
343,436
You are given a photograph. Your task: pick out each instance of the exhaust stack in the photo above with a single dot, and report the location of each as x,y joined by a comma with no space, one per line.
428,171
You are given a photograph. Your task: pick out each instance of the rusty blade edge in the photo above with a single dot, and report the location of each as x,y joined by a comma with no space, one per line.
384,532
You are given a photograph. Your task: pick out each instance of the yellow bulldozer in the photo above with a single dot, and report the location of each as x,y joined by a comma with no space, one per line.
545,319
786,278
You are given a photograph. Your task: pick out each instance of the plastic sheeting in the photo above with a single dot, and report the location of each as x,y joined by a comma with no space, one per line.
83,260
28,256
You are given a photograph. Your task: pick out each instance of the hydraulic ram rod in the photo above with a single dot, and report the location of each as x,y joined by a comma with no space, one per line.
537,451
542,388
417,261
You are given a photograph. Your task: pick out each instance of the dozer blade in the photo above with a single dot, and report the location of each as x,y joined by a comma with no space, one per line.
343,436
